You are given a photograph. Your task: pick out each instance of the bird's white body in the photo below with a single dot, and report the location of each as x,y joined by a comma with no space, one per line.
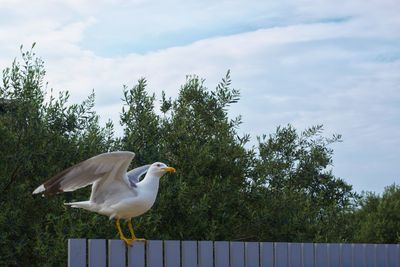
127,204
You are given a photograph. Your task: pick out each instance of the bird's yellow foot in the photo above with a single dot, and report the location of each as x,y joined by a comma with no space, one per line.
128,242
134,238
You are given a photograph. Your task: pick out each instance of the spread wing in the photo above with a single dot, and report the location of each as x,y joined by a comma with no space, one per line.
100,171
135,174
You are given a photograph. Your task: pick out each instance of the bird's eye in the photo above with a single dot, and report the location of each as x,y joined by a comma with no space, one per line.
158,165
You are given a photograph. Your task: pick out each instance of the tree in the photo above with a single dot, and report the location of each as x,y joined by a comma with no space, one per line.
299,197
39,139
378,218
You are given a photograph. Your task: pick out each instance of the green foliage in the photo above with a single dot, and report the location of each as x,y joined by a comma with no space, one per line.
207,191
378,219
141,124
306,202
281,190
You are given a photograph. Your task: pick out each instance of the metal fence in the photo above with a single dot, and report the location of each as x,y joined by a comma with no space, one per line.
170,253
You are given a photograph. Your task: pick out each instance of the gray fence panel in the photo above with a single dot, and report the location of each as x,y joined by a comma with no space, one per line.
237,254
154,253
308,254
370,255
189,253
116,253
97,253
136,256
321,255
358,255
233,254
267,254
294,254
221,253
347,255
334,255
281,254
172,252
76,252
206,258
393,255
252,254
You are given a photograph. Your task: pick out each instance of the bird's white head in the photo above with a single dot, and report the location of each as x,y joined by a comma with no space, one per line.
159,169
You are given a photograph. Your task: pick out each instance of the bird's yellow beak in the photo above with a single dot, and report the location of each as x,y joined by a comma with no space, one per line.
169,169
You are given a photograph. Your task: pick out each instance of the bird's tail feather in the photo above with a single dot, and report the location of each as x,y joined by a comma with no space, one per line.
87,205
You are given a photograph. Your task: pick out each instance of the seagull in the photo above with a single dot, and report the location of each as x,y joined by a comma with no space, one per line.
116,193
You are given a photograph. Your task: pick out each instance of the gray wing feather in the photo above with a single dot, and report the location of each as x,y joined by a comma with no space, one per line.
135,174
88,172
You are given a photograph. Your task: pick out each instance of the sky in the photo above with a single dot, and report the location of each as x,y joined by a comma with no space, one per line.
303,62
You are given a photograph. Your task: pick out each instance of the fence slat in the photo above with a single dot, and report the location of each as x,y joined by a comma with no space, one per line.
281,254
116,253
334,255
237,254
76,252
189,253
347,255
308,254
206,258
393,255
321,255
154,253
380,250
172,253
252,254
221,250
136,256
370,255
358,255
267,254
294,254
97,253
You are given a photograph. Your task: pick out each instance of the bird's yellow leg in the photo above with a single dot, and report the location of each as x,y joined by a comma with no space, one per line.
121,234
134,238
